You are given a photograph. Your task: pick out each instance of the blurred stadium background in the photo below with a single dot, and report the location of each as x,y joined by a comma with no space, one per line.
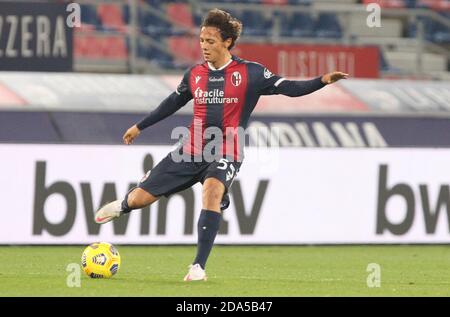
364,161
412,42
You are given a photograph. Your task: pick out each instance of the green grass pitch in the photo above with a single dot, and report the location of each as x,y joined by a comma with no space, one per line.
233,271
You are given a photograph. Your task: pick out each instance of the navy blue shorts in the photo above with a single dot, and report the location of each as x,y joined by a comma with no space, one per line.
169,177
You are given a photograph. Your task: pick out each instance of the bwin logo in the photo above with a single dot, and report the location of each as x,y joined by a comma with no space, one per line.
430,207
247,213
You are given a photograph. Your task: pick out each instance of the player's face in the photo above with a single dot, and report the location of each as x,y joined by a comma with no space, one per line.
214,49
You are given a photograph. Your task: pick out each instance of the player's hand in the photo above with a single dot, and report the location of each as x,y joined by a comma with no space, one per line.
131,134
333,77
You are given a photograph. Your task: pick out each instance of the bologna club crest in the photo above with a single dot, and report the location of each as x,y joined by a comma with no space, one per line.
236,79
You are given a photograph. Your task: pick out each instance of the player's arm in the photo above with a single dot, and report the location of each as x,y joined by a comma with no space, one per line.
268,83
167,107
296,88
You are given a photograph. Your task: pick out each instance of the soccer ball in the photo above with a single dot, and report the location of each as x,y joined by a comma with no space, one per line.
100,260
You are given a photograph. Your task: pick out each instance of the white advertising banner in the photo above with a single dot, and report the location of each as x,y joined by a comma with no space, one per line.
49,194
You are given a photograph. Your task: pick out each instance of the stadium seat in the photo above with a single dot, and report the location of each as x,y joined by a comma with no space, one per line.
154,3
387,3
185,49
126,14
92,46
255,23
384,65
301,25
410,3
441,33
275,1
231,1
180,13
433,31
89,15
155,56
152,25
327,26
284,23
181,47
197,18
427,24
160,58
93,50
181,18
114,48
142,50
437,5
301,2
79,45
111,17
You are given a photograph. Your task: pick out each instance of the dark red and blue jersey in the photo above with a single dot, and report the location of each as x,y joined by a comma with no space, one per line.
223,101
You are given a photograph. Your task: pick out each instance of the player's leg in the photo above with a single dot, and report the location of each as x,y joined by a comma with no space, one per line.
166,178
210,217
207,226
213,190
217,180
136,198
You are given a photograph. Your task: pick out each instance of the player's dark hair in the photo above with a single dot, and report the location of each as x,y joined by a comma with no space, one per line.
228,26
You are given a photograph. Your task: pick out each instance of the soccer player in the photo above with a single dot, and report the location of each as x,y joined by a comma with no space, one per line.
225,90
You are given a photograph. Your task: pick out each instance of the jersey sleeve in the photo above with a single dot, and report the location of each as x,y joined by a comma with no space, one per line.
265,81
170,105
183,88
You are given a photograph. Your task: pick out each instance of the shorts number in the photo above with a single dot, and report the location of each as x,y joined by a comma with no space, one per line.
224,162
224,165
